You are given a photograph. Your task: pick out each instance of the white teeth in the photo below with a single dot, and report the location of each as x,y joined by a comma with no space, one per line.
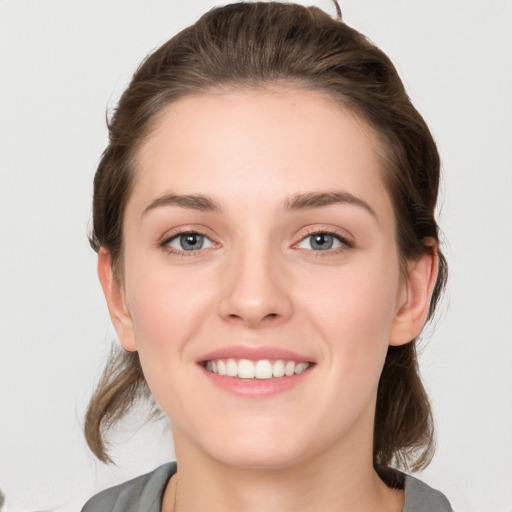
299,368
221,367
231,368
289,369
278,368
246,369
262,369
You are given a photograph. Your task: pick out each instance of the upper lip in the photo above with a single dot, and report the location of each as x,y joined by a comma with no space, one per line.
254,353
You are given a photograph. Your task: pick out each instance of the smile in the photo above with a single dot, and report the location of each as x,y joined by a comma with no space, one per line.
260,369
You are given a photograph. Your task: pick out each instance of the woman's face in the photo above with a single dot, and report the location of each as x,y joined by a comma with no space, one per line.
259,236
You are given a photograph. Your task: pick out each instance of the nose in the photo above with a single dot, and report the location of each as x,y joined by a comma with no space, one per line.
256,292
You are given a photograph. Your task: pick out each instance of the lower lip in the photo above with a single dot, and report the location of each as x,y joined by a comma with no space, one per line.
256,388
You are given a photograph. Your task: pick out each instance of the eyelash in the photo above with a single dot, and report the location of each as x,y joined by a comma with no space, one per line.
346,243
181,253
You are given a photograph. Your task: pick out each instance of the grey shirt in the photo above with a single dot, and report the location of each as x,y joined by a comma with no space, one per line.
144,494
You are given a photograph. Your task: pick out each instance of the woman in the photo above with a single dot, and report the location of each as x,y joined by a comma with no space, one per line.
267,246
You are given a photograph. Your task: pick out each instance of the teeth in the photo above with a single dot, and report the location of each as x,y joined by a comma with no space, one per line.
299,368
262,369
246,369
278,369
221,367
231,368
289,369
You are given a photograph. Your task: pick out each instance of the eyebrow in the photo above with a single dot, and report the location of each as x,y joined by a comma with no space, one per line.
296,202
191,201
322,199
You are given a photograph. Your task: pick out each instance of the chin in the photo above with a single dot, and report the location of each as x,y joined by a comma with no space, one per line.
258,457
260,446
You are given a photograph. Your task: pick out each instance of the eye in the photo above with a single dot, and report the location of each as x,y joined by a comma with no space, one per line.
188,242
323,241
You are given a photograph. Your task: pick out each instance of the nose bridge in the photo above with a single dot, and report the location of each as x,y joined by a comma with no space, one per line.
256,291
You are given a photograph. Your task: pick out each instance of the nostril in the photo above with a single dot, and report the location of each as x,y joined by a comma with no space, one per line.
271,317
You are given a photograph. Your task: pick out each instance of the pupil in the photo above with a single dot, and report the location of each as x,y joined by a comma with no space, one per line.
322,241
191,241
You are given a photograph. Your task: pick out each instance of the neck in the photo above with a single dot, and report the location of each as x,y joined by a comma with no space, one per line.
342,478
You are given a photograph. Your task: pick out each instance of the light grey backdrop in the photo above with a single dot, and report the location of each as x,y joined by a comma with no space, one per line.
61,63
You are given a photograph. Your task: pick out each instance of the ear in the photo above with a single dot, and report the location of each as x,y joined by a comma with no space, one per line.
414,301
114,295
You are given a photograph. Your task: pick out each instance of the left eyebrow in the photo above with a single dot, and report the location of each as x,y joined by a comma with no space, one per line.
321,199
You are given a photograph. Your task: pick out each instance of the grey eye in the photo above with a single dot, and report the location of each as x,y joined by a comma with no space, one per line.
320,242
190,242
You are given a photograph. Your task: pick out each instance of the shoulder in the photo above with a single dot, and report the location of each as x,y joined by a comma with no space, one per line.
141,493
419,497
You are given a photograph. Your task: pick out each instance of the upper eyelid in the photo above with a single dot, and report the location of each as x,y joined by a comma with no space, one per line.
168,236
345,244
343,235
165,243
182,233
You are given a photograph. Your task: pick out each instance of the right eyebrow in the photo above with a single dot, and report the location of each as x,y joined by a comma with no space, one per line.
191,201
322,199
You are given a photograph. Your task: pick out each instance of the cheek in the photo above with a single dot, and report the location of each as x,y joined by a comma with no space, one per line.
165,309
354,311
167,313
354,299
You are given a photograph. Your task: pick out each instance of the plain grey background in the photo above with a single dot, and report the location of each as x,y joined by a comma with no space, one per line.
63,61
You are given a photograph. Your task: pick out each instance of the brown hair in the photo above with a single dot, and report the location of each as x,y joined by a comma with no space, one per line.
252,45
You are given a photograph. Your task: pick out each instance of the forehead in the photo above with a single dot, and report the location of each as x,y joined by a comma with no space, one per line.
248,143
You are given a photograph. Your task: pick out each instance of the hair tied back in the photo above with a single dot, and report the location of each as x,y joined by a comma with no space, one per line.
339,16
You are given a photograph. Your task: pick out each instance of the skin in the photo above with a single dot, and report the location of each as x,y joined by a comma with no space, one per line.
258,281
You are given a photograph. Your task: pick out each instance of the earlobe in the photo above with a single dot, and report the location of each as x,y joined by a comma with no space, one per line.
114,295
414,304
